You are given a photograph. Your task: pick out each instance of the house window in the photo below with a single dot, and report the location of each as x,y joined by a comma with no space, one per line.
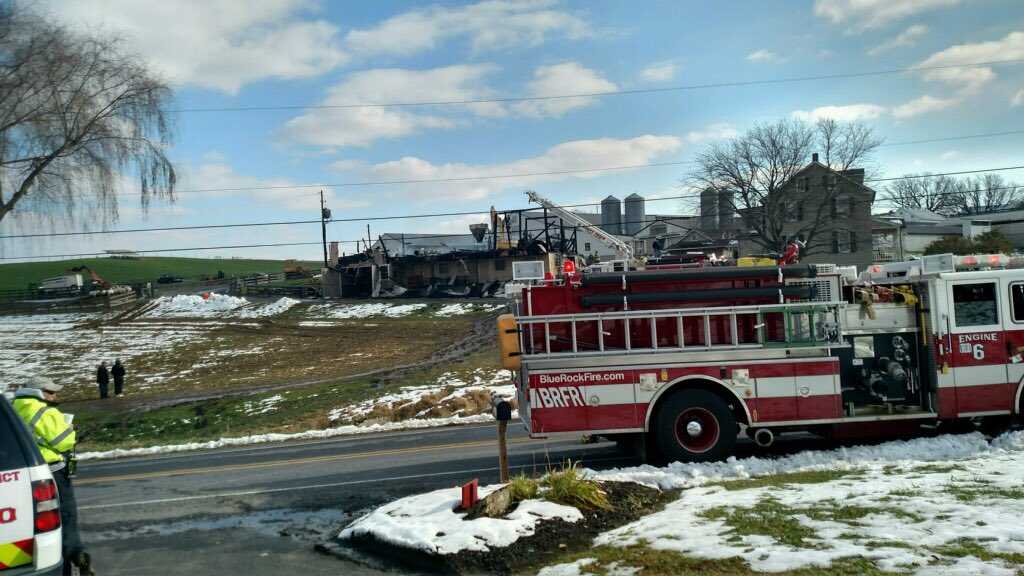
794,211
844,242
841,207
804,184
975,304
499,264
586,246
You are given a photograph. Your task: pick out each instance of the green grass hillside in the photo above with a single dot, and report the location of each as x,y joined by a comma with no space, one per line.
20,275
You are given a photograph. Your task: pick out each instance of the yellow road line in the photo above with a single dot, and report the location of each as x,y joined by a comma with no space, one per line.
291,461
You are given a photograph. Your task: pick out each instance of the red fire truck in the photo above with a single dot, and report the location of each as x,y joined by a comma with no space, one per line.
687,359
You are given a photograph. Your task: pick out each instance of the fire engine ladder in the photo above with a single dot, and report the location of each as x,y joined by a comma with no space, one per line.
805,325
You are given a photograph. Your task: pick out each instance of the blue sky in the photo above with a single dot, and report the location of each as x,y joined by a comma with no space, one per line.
304,52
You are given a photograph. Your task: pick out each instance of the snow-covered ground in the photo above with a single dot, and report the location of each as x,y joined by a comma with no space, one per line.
61,345
905,505
49,344
480,380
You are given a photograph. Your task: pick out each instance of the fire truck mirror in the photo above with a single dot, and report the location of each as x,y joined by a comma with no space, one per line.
864,347
502,410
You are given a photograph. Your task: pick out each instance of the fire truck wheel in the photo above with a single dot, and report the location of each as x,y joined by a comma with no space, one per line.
695,426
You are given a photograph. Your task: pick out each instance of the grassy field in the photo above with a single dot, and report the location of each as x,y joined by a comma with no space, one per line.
294,410
20,275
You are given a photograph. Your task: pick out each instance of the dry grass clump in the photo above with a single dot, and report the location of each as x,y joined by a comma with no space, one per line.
567,486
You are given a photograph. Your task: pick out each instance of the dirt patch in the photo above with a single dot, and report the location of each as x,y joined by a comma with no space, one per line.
551,540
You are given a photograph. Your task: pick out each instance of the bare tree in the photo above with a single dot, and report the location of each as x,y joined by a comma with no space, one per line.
951,196
755,171
936,193
988,193
77,114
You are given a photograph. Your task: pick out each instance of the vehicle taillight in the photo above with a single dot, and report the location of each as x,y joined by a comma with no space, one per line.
44,494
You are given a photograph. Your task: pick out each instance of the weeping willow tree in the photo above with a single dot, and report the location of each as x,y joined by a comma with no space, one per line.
80,118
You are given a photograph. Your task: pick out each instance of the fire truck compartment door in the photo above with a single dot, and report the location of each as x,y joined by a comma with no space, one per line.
978,347
776,393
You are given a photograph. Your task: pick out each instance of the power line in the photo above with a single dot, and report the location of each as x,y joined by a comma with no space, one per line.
462,213
367,183
189,249
600,94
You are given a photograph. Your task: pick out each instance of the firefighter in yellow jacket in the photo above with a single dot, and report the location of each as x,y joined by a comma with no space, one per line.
55,437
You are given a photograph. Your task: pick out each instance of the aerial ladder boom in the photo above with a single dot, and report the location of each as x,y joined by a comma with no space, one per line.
623,249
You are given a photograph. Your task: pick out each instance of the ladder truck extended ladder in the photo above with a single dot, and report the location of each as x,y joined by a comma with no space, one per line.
623,249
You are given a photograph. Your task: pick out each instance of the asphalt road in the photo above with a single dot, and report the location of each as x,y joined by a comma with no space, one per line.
224,511
262,509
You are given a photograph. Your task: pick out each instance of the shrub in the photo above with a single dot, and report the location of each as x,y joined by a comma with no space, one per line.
568,487
523,487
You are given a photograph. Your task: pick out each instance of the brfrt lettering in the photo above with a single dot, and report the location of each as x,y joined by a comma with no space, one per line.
556,397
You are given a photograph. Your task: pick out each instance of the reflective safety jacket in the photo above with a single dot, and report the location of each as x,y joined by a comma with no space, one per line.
53,434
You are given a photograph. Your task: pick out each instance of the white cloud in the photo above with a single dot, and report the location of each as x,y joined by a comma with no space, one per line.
847,113
719,131
223,181
908,37
573,155
923,105
337,127
659,72
217,44
970,80
1018,98
564,78
489,25
762,55
949,155
861,15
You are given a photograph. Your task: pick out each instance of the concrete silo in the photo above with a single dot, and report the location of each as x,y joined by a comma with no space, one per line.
635,214
611,215
708,210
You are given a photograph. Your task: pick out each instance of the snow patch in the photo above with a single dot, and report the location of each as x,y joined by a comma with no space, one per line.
429,522
490,381
461,308
193,306
570,569
273,309
350,311
940,448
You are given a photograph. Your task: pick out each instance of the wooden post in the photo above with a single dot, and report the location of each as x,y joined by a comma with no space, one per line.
503,450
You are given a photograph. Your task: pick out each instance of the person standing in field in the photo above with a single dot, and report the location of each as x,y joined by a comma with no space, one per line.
103,379
118,373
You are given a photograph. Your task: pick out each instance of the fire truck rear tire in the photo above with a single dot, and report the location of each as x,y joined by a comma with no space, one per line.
695,426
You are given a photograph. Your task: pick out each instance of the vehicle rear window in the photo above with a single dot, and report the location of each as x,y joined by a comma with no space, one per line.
975,304
11,454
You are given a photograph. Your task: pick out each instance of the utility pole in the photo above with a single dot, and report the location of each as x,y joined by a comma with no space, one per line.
325,215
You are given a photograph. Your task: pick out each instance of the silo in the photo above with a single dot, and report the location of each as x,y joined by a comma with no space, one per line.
726,211
635,214
611,215
708,210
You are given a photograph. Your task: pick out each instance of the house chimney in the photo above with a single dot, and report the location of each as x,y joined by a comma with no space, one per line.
814,157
